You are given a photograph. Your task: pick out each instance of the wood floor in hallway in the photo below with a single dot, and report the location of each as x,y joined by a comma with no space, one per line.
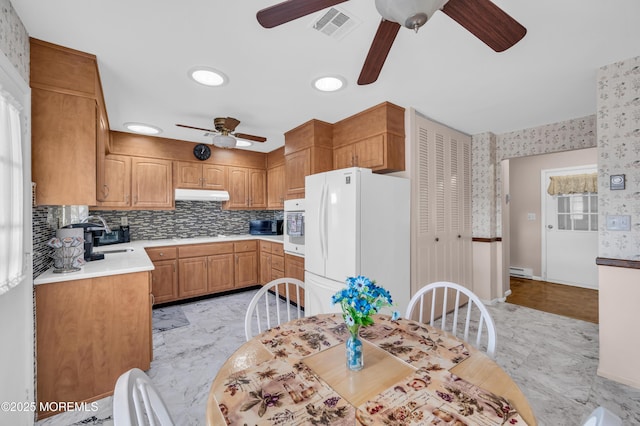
573,302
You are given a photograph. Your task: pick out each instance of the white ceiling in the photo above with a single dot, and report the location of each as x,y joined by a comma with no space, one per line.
146,47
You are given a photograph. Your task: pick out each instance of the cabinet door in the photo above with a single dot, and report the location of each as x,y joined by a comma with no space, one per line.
238,187
63,154
370,153
220,273
297,166
164,281
257,188
214,177
265,267
276,188
343,157
193,276
189,175
246,268
151,182
116,185
294,268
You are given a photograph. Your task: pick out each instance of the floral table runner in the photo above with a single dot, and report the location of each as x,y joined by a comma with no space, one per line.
285,391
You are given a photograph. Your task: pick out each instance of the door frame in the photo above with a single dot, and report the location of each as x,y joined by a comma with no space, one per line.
543,209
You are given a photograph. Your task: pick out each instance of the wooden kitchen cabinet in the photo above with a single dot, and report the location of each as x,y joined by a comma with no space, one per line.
247,188
164,278
151,183
246,263
294,268
200,176
221,273
373,138
88,333
308,150
276,187
271,261
193,276
114,186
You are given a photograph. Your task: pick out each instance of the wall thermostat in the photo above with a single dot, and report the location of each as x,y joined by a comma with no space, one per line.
616,182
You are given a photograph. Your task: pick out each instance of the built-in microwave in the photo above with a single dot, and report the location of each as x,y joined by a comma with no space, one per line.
294,226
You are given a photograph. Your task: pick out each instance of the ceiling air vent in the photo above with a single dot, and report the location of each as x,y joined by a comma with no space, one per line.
335,23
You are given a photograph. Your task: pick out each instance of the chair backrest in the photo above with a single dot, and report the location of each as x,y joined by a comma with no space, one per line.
442,302
267,307
137,402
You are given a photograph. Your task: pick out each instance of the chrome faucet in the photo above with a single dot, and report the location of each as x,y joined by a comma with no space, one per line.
101,219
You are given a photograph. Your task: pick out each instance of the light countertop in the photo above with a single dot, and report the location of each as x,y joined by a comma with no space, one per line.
137,259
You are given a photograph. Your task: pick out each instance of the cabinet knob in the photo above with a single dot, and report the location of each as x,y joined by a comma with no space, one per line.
161,254
437,239
459,236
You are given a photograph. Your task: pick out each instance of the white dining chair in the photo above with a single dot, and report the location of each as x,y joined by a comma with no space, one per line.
442,302
602,417
137,402
268,306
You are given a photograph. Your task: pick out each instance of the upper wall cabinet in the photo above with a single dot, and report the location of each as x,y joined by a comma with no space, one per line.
307,150
373,138
200,176
67,117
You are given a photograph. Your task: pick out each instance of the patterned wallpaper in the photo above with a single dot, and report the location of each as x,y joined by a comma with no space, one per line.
14,40
563,136
619,153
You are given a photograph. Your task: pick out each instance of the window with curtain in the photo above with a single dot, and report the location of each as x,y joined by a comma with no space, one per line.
11,194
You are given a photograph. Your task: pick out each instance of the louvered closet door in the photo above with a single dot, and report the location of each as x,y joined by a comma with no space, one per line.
443,202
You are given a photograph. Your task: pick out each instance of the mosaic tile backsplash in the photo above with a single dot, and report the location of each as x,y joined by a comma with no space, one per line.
189,219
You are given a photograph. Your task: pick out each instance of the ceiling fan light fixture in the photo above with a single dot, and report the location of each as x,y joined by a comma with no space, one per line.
208,76
331,83
224,141
409,13
145,129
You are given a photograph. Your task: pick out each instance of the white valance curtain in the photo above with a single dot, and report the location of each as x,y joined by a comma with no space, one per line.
573,184
11,194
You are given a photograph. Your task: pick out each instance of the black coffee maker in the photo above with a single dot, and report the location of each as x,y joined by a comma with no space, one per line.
90,230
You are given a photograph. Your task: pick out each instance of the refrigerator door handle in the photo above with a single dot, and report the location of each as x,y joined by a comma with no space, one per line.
323,221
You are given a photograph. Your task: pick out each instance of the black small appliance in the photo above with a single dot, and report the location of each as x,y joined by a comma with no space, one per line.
266,227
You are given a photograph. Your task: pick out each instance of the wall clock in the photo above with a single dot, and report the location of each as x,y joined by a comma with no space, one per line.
202,151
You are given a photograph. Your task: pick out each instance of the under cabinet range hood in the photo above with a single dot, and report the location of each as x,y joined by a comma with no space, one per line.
201,195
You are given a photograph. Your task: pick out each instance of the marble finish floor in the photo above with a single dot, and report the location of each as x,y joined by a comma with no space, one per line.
552,358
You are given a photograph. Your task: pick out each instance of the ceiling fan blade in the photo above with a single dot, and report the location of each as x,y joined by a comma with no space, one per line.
482,18
197,128
292,9
231,123
249,137
380,47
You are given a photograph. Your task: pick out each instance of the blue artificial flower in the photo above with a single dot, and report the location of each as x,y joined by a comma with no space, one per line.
361,299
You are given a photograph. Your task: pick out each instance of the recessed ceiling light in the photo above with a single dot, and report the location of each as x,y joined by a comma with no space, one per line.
207,76
145,129
329,83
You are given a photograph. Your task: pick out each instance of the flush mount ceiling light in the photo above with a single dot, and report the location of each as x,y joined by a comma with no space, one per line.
142,128
207,76
243,143
329,83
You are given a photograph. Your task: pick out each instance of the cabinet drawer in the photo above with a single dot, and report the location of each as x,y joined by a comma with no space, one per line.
205,249
245,246
265,246
277,262
277,249
162,253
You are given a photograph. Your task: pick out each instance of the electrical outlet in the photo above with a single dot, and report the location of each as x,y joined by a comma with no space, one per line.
618,222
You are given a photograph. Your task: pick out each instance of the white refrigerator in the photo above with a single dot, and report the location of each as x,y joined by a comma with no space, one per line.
357,223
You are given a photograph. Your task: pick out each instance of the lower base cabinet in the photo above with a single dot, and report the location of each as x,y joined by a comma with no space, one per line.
294,268
89,332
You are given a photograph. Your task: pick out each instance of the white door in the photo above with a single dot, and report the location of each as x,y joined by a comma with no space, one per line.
570,233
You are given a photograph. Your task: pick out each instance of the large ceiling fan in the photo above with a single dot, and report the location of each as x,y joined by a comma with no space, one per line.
482,18
224,132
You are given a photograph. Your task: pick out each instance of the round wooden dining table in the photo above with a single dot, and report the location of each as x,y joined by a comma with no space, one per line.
414,374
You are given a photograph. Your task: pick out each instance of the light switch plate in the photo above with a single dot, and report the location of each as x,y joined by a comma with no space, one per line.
618,222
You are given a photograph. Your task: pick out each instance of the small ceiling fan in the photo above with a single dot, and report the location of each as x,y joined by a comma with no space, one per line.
482,18
224,129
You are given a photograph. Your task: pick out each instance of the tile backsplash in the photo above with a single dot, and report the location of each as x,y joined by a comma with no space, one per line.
189,219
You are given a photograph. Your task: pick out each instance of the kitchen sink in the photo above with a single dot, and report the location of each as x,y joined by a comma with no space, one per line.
123,250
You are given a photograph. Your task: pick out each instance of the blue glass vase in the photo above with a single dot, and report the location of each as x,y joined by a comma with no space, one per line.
355,357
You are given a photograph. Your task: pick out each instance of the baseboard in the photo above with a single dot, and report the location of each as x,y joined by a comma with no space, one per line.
616,378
